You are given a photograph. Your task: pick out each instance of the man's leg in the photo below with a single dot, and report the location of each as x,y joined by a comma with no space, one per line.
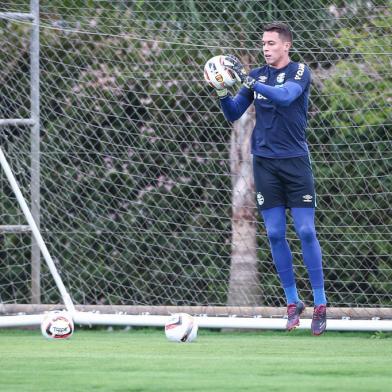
275,223
311,251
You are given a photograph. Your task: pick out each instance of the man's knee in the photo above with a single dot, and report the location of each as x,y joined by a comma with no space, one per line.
307,233
275,235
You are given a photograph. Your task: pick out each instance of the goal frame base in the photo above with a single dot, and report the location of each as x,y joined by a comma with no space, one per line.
218,317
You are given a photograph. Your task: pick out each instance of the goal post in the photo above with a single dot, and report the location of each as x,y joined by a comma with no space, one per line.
146,190
36,233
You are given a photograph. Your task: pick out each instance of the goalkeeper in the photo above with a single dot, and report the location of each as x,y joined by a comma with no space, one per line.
281,164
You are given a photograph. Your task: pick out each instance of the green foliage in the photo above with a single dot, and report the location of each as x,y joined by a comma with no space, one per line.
356,144
136,193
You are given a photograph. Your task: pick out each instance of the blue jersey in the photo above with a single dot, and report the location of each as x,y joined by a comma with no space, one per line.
280,125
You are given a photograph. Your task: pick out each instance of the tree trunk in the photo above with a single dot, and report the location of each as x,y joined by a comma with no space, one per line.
244,286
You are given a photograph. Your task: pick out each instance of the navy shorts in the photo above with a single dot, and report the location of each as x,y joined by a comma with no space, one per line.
284,182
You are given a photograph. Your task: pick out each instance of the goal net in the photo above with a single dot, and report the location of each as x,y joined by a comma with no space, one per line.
146,191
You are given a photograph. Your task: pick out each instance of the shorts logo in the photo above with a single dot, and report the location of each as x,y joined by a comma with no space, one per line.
260,198
280,77
307,198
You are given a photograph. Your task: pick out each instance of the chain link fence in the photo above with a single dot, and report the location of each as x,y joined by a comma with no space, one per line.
137,161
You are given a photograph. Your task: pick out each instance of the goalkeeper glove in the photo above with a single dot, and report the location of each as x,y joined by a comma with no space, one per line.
235,65
222,93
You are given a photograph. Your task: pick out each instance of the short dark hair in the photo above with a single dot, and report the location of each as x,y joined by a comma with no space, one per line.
282,29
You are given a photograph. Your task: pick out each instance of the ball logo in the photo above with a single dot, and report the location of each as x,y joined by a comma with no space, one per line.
260,198
59,328
212,66
219,78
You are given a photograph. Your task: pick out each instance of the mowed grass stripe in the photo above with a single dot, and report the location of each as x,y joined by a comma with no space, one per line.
143,360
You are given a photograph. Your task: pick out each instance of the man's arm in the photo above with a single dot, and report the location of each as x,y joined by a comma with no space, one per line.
283,95
234,107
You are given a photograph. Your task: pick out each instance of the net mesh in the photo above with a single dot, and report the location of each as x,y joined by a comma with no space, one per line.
140,170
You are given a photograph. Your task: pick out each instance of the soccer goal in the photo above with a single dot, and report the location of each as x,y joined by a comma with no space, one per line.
125,194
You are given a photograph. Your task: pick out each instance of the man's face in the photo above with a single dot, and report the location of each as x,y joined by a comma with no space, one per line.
274,48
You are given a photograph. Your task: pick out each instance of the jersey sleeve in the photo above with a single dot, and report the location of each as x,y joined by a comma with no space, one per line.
234,107
297,82
300,75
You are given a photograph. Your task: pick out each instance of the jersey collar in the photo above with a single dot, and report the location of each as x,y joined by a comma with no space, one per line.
279,69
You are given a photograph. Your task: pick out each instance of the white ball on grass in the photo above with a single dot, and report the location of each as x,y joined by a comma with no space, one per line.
57,325
181,327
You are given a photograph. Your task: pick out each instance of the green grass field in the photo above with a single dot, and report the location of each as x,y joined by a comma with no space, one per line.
143,360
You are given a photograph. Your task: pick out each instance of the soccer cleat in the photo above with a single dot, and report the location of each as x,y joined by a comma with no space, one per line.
293,313
319,320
